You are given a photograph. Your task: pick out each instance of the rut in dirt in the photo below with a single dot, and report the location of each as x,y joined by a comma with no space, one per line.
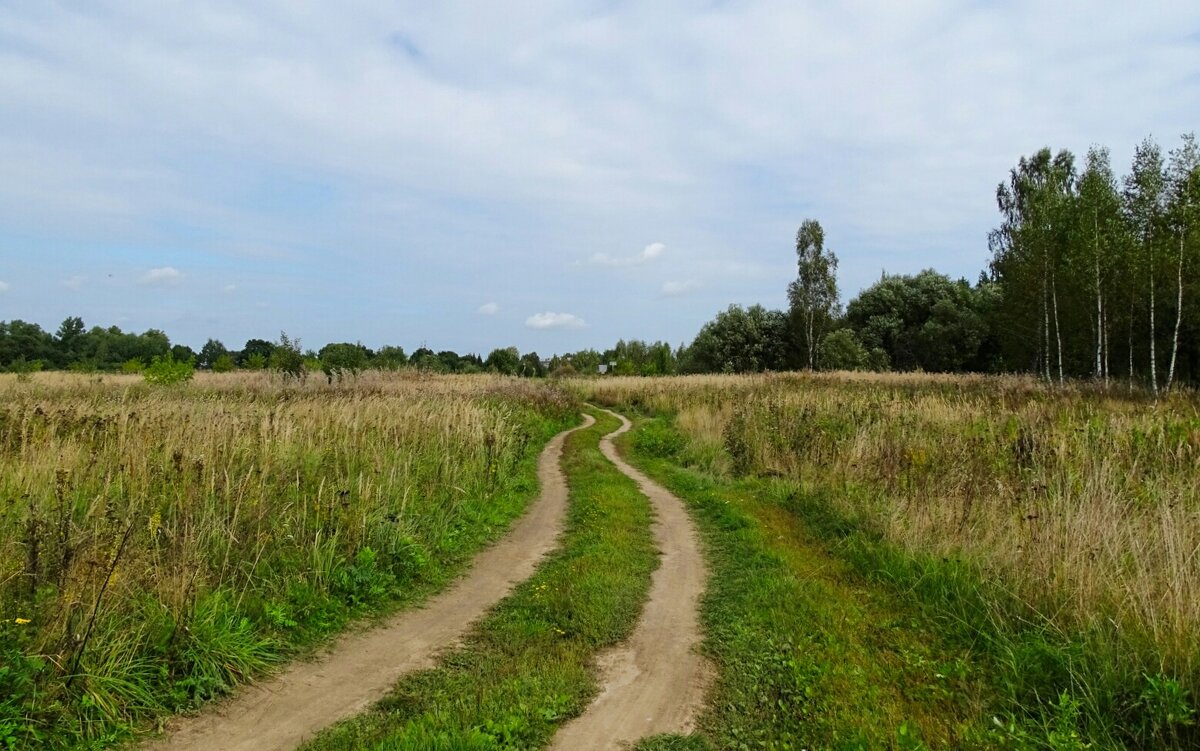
654,682
281,713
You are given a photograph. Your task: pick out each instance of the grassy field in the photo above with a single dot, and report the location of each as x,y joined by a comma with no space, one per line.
1044,540
159,545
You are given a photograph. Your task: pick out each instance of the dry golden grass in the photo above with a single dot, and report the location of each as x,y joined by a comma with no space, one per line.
1085,506
141,504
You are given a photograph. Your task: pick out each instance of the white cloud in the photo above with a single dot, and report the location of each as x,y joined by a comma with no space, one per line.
162,275
554,321
649,253
4,287
489,309
675,289
74,282
229,289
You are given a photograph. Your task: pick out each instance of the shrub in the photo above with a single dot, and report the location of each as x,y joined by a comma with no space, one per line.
166,371
841,350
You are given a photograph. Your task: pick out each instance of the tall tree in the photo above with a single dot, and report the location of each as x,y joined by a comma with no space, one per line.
1183,189
1030,246
813,295
1098,225
1144,197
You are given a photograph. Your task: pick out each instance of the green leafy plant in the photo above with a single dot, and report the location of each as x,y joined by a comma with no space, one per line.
167,371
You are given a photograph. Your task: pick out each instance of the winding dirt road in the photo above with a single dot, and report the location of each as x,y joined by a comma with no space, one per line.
281,713
655,682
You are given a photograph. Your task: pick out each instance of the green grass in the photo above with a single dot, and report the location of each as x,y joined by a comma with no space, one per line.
810,654
528,666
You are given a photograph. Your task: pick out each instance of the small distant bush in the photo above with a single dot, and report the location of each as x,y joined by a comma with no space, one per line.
223,364
287,359
167,371
24,368
256,361
132,366
841,350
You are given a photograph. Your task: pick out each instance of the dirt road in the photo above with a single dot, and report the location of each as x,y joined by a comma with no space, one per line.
654,682
281,713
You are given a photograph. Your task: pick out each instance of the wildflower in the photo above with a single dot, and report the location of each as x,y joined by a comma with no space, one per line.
21,621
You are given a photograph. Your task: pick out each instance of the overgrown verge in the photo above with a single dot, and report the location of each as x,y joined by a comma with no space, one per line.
159,546
808,654
830,636
528,666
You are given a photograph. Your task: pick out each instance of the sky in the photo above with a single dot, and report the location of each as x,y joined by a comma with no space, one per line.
550,175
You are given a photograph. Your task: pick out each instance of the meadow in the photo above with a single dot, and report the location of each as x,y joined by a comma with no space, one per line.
159,545
1054,533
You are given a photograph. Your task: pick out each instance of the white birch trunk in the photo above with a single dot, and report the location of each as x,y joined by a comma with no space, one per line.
1057,330
1178,313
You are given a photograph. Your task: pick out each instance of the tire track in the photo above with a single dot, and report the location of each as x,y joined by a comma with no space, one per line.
281,713
655,682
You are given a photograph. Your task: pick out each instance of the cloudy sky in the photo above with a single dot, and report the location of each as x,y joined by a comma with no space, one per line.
553,175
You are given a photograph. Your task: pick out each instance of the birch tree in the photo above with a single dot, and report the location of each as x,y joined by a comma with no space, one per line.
813,295
1183,189
1098,213
1143,204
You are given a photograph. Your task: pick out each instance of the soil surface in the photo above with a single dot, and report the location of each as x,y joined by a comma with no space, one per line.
281,713
656,681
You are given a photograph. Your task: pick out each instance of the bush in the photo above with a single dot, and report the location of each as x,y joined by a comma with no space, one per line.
132,366
166,371
223,364
841,350
287,359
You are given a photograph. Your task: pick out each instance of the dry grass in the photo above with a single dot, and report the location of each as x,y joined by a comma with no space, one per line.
1084,506
239,495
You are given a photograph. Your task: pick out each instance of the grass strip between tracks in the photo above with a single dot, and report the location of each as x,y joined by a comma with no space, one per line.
528,666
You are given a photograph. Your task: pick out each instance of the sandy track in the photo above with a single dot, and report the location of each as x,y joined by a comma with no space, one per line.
281,713
655,682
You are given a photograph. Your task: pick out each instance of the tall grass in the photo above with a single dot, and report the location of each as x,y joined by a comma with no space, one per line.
1078,511
158,545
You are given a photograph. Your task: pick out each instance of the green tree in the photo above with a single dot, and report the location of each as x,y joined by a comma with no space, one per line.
925,322
212,351
503,360
342,359
841,350
740,340
260,347
1183,218
1145,210
813,295
390,358
287,359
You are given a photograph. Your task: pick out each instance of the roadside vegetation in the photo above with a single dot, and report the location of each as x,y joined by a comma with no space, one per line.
528,667
160,544
962,561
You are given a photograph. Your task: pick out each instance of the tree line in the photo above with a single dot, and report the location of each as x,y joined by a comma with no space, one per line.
1090,276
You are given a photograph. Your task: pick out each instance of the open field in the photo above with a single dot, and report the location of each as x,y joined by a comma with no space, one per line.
1055,531
159,545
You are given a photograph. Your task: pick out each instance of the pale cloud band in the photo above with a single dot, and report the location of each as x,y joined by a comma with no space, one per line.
489,309
649,253
550,320
162,275
675,289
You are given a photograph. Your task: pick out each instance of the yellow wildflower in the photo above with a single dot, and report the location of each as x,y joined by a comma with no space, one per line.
22,621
